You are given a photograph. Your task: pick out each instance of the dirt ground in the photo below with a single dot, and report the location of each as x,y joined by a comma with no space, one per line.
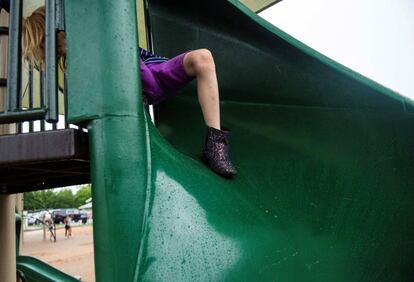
73,256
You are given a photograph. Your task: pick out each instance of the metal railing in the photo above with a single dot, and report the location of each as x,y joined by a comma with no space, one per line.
48,109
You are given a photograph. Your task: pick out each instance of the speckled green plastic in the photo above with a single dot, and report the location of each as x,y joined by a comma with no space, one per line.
325,156
325,159
104,94
34,270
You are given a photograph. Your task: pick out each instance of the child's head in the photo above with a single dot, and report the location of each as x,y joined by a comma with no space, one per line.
33,38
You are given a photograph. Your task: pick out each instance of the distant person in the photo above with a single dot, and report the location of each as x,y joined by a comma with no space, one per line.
47,219
90,216
161,78
52,229
47,216
68,227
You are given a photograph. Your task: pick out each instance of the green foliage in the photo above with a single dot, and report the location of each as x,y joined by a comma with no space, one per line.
82,195
51,199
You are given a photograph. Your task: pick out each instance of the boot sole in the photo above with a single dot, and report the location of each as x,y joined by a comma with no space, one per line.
225,175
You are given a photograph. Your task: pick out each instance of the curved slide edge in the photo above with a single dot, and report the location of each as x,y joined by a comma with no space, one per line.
34,270
251,53
317,55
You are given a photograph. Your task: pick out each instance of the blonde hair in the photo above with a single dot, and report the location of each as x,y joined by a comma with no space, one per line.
33,39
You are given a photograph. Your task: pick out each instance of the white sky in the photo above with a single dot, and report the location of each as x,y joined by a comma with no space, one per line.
372,37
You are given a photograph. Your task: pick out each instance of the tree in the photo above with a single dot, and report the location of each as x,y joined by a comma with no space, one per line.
53,199
39,200
65,199
82,195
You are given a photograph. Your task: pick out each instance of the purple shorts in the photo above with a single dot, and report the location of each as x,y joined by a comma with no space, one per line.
162,80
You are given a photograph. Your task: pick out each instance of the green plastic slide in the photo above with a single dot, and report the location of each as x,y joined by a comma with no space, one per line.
325,159
325,156
34,270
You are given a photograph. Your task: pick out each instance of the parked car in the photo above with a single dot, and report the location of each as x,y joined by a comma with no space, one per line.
84,216
60,214
31,220
36,218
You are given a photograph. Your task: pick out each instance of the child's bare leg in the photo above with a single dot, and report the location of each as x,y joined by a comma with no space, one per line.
200,64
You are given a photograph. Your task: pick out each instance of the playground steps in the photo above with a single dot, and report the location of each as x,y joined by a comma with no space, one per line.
43,160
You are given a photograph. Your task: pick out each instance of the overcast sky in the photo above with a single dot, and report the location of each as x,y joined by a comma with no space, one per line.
372,37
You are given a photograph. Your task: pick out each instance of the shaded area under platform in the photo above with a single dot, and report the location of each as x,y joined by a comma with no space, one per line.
43,160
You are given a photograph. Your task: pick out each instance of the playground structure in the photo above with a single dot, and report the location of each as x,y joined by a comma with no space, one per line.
325,157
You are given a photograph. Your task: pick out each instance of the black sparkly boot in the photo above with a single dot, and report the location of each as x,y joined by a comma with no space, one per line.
216,152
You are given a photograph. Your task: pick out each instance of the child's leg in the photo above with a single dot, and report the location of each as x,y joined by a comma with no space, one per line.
175,73
200,64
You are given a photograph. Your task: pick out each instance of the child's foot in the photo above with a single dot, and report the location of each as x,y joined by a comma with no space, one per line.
216,152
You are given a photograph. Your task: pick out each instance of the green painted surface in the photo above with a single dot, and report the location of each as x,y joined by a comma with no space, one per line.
104,92
322,195
325,159
35,270
325,186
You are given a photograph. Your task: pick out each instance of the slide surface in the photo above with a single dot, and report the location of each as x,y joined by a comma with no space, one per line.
35,270
325,159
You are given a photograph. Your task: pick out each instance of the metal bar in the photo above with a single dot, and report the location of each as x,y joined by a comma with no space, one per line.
51,63
65,98
18,116
42,96
30,94
60,26
60,15
14,56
